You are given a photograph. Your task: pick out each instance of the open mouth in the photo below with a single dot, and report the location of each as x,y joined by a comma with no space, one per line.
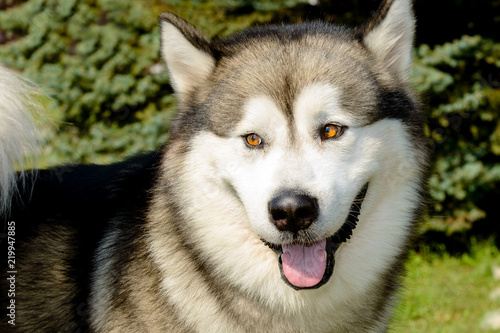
309,266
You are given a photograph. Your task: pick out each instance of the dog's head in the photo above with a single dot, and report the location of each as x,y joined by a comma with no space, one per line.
286,129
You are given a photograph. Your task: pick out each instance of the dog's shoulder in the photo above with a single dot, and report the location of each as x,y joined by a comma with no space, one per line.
85,192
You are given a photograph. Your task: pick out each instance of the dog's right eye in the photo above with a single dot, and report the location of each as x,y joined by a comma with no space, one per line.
332,131
253,140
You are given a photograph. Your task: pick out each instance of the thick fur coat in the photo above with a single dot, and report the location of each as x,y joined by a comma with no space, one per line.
285,200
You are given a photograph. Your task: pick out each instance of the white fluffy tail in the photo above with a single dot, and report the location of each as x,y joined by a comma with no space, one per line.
18,135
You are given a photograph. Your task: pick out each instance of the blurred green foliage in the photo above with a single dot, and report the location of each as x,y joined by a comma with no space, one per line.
95,59
110,96
459,82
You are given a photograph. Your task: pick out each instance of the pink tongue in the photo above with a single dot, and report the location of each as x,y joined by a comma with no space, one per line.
304,266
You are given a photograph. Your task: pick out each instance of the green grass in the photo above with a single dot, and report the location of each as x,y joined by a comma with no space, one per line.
446,293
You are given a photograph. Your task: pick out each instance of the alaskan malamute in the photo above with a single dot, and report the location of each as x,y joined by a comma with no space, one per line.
285,200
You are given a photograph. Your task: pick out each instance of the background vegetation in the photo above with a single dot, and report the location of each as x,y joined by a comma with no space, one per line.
110,97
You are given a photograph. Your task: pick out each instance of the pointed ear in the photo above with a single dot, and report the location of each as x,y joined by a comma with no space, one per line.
187,53
389,36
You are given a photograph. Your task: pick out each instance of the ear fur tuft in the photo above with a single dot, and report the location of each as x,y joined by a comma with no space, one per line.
389,36
187,53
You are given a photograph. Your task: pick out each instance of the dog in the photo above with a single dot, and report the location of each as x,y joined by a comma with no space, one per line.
285,200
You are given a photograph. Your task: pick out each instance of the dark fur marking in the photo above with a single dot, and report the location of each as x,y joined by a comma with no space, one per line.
81,199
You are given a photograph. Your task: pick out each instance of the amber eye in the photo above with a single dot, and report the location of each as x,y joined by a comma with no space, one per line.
331,131
253,140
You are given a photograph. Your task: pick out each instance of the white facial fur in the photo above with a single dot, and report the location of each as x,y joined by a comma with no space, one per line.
332,171
230,208
304,163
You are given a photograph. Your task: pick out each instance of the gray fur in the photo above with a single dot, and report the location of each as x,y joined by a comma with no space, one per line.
18,136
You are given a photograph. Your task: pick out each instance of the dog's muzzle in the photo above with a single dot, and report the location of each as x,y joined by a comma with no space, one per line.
308,266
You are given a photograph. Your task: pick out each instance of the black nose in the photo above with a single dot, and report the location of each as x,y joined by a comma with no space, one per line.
292,211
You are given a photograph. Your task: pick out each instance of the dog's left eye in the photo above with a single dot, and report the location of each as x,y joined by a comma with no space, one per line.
253,140
331,131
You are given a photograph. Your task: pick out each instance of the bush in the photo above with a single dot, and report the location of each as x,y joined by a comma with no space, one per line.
457,80
99,61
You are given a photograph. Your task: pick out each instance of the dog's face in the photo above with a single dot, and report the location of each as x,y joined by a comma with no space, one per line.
293,123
